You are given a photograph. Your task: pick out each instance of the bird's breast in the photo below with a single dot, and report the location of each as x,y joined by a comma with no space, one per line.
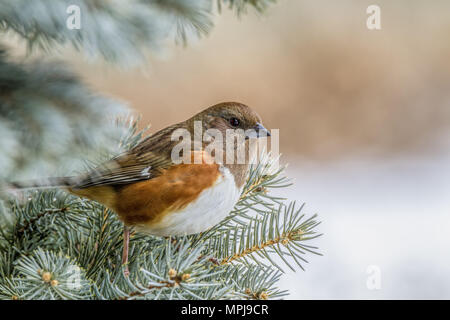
187,199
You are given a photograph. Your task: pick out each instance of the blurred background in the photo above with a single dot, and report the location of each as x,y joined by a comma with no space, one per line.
364,118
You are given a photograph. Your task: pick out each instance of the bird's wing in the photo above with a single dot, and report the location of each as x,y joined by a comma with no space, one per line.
143,162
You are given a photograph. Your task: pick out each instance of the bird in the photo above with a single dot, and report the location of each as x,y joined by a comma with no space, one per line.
152,193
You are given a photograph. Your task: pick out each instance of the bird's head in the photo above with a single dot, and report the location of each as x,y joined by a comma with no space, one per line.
232,115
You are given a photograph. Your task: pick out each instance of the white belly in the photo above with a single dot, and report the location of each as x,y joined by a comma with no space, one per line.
211,207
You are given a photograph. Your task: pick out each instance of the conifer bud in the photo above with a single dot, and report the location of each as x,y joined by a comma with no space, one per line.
185,277
172,273
46,276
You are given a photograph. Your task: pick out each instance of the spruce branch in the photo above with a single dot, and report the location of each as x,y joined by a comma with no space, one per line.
242,6
255,283
281,232
188,16
9,290
119,31
29,223
46,275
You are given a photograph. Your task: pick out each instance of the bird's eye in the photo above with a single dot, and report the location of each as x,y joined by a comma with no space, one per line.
234,122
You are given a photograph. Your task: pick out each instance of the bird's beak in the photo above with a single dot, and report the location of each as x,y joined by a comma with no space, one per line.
258,132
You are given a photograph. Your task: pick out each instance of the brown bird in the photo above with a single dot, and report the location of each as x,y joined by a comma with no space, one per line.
152,194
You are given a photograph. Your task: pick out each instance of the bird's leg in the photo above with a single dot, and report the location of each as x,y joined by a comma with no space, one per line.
126,242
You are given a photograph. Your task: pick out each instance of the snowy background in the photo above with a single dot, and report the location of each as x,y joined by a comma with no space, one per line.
392,213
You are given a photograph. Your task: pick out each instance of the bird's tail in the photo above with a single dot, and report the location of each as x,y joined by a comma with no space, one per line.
56,182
